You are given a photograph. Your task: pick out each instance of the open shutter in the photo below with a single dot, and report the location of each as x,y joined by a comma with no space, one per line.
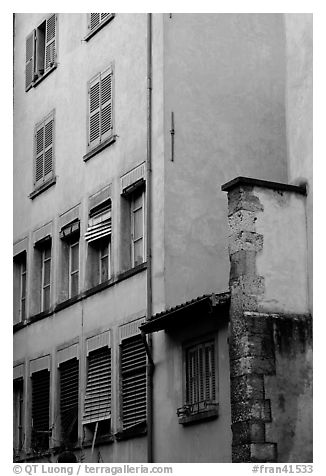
50,42
106,104
39,155
30,60
210,378
48,148
94,112
133,372
40,409
69,391
98,390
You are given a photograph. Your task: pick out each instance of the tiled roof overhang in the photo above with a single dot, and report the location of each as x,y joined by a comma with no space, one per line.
216,305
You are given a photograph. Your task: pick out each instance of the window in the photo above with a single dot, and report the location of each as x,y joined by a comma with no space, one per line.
73,269
100,125
133,206
41,284
98,236
200,392
40,51
40,410
137,227
96,21
44,151
69,392
133,381
18,413
69,235
20,287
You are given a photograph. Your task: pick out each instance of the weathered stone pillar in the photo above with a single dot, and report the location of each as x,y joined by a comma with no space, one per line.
268,284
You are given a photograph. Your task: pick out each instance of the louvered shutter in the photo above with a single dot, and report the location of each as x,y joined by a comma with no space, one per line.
48,148
94,20
30,60
69,390
97,405
133,373
39,155
94,112
40,409
106,104
50,42
210,372
104,16
200,374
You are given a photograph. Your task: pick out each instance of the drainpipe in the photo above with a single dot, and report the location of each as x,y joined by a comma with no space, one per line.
150,364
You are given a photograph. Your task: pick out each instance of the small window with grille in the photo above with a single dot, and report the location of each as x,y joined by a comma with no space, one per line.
40,410
200,382
69,393
44,151
41,47
133,381
100,109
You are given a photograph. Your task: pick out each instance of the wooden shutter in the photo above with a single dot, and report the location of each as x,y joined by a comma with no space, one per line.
48,148
39,154
106,104
94,112
40,409
210,372
50,42
133,373
30,60
98,390
69,391
104,16
94,20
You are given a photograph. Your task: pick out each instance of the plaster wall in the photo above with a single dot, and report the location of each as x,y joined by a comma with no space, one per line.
224,79
299,114
283,260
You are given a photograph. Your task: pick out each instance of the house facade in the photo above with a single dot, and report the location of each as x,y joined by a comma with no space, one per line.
138,255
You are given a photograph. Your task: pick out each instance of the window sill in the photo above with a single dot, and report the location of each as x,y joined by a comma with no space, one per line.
140,429
99,27
204,415
43,187
40,79
99,147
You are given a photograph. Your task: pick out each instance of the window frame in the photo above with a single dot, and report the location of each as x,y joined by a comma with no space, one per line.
19,414
75,271
133,197
45,259
20,284
37,78
108,258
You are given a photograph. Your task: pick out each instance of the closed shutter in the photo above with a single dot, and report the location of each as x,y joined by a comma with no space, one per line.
94,112
94,20
40,409
98,390
50,42
200,373
69,391
44,151
106,104
133,373
30,60
39,159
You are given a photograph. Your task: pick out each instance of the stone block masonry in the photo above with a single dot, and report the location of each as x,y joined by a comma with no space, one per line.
270,337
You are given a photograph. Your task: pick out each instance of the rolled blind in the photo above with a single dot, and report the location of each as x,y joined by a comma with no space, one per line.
133,373
30,60
40,409
200,373
69,391
99,224
50,42
97,405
